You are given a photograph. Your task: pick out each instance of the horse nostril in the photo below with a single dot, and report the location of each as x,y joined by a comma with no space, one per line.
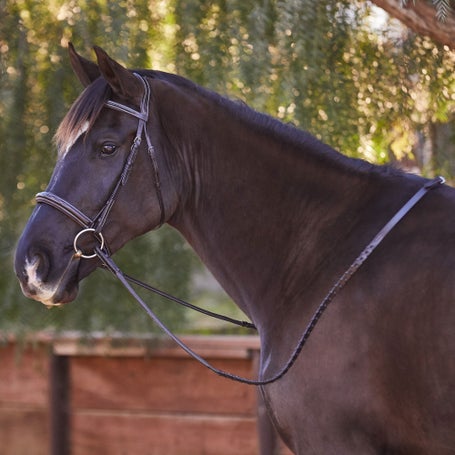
37,266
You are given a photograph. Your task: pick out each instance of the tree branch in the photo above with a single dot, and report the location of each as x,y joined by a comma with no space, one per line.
420,16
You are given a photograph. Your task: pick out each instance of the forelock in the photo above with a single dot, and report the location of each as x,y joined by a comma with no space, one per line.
82,115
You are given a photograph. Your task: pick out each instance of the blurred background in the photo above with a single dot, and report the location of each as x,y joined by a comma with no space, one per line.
344,70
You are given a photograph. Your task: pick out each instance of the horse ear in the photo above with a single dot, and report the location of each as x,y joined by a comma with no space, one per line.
85,70
122,81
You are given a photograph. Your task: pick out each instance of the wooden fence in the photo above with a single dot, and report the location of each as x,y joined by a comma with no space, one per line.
131,396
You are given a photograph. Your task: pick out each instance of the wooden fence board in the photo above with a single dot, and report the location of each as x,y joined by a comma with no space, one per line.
160,384
213,347
24,391
24,431
145,434
125,396
24,375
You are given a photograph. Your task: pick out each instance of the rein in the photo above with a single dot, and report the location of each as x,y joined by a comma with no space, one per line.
101,251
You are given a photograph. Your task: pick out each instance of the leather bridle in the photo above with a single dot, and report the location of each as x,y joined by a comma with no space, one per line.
96,225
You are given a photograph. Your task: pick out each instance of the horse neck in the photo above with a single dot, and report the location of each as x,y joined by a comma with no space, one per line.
260,210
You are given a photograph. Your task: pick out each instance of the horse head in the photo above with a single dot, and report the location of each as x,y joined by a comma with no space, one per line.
104,176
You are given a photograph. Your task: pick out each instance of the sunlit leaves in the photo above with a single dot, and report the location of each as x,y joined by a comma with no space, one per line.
37,86
340,69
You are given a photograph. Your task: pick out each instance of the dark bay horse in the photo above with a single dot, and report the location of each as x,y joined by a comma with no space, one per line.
278,217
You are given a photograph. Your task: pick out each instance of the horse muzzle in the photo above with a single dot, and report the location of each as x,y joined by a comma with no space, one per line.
37,283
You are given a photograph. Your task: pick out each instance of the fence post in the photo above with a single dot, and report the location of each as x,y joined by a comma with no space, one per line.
59,404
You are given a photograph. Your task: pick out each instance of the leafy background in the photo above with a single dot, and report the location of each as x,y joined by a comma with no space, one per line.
343,70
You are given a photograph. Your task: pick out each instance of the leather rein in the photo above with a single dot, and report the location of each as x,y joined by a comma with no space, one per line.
95,226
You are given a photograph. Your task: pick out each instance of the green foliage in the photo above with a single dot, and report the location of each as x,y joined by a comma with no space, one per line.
443,8
337,68
37,87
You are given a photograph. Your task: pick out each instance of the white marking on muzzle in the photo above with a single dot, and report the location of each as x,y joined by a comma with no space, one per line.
44,292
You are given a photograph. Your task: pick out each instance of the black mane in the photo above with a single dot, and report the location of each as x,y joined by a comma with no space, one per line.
90,102
86,108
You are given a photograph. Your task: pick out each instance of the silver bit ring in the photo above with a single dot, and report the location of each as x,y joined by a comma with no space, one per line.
78,252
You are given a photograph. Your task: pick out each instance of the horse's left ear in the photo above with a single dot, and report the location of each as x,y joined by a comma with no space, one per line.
85,70
122,81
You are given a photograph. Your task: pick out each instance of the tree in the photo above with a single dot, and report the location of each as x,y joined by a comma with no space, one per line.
365,85
36,88
434,19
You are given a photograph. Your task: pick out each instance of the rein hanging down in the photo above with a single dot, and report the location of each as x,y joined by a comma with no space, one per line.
95,227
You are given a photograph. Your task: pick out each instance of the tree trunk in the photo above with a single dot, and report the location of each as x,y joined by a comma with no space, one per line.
420,16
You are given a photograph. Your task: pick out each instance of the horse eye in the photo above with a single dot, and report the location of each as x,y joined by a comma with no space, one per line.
108,148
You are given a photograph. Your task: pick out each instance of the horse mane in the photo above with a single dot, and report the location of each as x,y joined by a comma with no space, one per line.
268,126
90,102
